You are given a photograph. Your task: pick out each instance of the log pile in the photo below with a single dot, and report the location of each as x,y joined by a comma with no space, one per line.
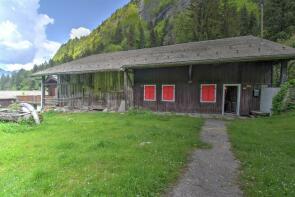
13,116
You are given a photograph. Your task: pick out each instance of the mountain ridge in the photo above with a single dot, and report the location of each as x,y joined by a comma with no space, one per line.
4,72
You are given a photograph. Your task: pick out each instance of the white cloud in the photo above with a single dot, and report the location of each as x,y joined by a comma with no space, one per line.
79,32
13,67
11,38
23,39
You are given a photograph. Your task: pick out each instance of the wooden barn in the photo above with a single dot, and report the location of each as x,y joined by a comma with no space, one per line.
212,77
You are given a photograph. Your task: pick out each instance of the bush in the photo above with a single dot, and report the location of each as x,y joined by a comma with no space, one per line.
280,102
14,107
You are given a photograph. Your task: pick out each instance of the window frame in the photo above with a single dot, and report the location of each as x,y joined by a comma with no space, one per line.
150,100
215,92
162,97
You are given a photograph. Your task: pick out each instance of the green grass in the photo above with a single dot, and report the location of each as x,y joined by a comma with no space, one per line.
266,149
95,154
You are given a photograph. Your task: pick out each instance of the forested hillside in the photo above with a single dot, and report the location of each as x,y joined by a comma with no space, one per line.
149,23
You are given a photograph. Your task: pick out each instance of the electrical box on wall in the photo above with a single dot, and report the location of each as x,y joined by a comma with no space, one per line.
256,92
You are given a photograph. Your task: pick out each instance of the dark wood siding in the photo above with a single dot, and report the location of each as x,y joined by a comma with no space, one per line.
249,75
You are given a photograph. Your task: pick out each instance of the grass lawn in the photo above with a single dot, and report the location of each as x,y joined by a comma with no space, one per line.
266,149
95,154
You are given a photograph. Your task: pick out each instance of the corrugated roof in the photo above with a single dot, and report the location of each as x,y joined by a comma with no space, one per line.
237,49
13,94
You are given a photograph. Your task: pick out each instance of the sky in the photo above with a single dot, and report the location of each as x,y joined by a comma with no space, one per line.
31,31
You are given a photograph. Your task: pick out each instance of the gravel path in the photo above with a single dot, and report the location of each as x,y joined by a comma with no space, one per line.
211,172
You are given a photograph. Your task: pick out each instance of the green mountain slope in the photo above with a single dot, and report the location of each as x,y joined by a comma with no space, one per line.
146,23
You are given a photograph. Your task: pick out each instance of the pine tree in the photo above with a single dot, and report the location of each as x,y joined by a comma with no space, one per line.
141,37
183,30
230,21
131,37
225,19
153,36
244,21
118,37
253,24
279,19
206,19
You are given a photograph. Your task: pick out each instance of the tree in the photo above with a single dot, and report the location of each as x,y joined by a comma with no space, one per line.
230,21
279,19
244,21
118,34
141,37
253,24
206,19
131,37
183,29
153,36
248,22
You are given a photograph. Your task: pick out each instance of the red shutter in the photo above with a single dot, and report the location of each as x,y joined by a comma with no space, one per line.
168,92
149,92
208,93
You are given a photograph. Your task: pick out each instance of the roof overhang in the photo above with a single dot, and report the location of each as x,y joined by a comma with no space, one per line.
179,63
39,74
227,50
214,61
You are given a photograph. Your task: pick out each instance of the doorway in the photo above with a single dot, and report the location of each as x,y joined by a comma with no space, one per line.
231,99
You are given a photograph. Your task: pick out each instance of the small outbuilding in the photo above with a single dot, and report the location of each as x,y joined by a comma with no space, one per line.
213,77
8,97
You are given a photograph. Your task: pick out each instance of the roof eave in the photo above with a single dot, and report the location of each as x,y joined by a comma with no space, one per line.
177,63
213,61
44,73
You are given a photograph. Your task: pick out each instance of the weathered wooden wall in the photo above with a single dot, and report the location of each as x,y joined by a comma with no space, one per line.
96,90
29,99
187,98
106,89
6,102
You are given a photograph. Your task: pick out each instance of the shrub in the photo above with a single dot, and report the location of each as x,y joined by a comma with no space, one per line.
280,102
14,107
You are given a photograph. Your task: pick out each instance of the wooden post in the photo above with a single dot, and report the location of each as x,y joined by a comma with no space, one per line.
130,88
126,88
42,93
271,75
57,91
284,72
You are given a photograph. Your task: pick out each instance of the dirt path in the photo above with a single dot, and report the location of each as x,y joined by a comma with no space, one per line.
211,172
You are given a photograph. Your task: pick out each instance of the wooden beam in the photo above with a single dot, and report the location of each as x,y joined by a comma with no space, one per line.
128,89
284,72
272,75
43,93
130,80
190,73
57,91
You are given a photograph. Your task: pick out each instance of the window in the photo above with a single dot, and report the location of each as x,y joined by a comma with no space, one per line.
150,93
168,93
208,93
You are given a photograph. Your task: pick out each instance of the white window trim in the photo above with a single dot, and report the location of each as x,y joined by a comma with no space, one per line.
173,93
215,93
153,85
